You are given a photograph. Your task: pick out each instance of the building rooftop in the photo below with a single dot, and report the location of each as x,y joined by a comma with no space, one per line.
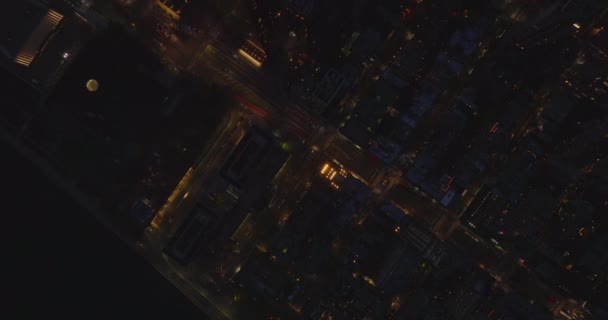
18,20
257,153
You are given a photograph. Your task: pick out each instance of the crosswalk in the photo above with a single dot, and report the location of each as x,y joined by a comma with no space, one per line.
250,87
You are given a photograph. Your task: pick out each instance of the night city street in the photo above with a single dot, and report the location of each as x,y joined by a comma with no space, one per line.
305,159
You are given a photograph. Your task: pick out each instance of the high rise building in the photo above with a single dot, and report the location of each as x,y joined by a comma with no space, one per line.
37,40
25,27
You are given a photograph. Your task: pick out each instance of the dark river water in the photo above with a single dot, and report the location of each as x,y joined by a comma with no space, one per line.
58,261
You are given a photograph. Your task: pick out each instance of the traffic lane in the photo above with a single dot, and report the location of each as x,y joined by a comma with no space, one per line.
279,120
184,282
196,294
229,74
201,174
226,61
194,278
245,80
243,72
414,204
183,189
290,185
258,87
485,255
248,77
180,189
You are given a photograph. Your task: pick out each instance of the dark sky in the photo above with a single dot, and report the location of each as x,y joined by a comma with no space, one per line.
59,262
